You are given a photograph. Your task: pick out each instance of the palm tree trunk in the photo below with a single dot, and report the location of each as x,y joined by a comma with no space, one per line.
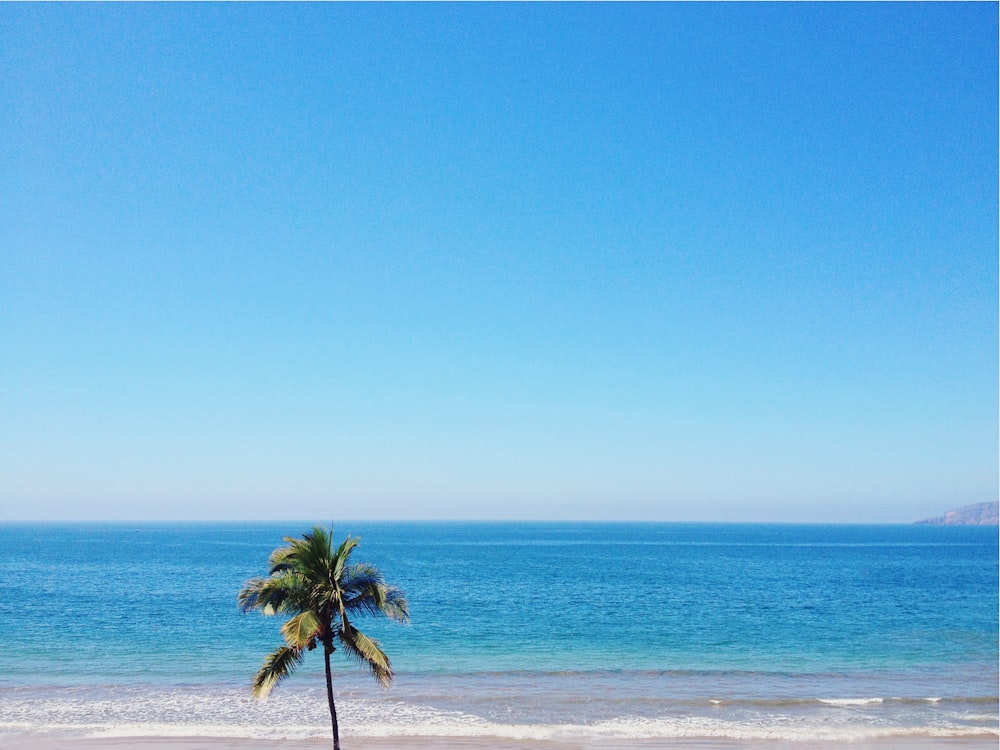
329,698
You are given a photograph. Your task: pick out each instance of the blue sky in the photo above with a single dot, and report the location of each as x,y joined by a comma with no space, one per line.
638,261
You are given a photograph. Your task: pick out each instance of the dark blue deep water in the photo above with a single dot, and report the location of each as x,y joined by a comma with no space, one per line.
518,629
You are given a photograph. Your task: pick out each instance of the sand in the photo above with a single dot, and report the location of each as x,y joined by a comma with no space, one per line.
65,742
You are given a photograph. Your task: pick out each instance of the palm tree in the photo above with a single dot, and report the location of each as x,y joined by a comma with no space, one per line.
322,590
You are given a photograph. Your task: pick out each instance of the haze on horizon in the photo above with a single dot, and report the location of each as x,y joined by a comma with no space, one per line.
724,262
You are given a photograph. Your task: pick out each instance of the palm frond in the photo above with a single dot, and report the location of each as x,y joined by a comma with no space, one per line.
366,651
365,590
282,592
394,604
278,665
341,559
278,559
360,575
313,556
362,587
249,595
302,629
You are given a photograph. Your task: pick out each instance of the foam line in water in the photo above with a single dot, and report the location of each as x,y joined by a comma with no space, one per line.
298,715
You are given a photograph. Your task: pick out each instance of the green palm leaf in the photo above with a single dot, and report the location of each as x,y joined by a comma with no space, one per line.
278,665
365,591
249,595
302,630
277,560
342,557
284,591
368,652
313,556
394,604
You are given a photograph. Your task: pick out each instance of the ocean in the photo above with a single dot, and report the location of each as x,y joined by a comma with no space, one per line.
519,630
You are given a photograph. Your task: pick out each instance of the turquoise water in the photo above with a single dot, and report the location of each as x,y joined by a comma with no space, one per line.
533,629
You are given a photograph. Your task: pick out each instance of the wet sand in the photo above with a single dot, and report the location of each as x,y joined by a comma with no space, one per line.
66,742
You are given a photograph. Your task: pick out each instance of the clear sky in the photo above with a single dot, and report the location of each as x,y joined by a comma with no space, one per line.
629,261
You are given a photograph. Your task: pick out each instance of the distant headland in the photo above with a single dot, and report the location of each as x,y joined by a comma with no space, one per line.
979,514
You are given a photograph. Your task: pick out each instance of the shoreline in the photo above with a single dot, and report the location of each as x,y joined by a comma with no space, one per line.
428,742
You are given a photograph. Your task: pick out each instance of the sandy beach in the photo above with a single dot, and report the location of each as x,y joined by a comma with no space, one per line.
50,742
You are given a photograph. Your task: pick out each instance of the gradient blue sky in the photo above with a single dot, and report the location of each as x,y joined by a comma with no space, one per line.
666,262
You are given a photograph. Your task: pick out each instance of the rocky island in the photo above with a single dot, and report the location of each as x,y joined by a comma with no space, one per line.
979,514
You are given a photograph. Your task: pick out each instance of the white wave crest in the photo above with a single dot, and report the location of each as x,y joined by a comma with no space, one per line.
852,701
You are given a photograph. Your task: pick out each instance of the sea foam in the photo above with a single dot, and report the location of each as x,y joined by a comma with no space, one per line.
301,714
